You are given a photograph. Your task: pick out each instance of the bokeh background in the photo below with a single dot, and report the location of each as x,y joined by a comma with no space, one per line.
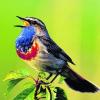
73,24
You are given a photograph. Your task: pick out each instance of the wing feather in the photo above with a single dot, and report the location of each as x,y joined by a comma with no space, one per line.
54,49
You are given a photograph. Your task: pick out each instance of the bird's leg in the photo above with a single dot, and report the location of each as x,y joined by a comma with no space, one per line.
51,80
49,76
54,77
58,73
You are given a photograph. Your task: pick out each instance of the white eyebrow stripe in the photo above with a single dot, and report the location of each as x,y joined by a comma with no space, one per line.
38,21
29,18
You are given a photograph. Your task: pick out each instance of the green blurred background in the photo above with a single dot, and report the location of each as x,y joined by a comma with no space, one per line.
73,24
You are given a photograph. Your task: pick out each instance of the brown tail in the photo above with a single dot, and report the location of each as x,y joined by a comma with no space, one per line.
78,83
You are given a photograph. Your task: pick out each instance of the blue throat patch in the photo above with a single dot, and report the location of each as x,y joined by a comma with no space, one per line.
24,40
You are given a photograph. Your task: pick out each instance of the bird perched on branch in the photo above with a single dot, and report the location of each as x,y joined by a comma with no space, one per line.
35,46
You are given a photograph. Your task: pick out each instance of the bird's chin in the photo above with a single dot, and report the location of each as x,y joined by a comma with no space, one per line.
30,54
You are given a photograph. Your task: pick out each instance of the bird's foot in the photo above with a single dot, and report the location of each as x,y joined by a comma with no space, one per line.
45,83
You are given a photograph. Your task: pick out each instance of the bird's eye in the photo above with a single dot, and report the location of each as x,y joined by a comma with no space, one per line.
35,22
26,23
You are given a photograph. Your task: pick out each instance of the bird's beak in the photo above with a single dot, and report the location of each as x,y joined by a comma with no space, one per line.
23,19
21,26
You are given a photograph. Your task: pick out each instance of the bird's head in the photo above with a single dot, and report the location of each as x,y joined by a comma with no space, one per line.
25,46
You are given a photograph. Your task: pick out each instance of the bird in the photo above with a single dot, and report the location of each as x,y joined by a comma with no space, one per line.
35,46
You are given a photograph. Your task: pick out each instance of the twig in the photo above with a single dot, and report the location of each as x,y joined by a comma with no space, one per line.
36,91
49,92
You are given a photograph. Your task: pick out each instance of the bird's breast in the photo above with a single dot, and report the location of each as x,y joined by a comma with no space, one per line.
38,57
32,52
44,60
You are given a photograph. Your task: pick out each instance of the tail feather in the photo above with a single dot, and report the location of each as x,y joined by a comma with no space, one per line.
77,82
